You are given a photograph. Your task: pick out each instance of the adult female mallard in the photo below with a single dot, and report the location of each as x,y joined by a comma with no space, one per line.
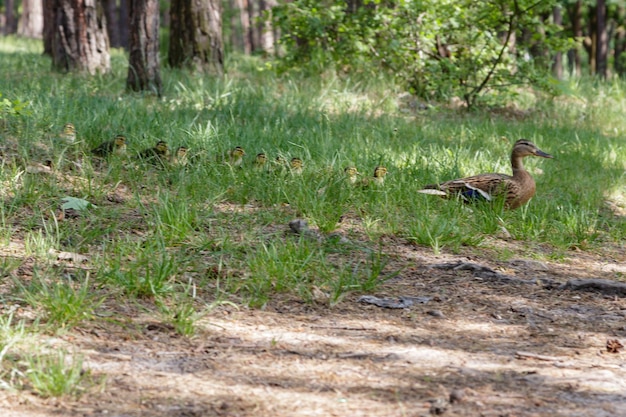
517,188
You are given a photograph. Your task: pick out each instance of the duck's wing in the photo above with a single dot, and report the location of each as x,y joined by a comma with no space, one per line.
483,186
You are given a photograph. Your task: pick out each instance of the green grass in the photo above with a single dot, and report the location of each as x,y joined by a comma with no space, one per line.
222,229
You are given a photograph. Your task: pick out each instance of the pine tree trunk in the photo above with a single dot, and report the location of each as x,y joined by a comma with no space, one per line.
196,35
236,40
80,41
245,26
557,60
619,58
111,12
31,20
602,47
143,66
48,26
124,24
10,21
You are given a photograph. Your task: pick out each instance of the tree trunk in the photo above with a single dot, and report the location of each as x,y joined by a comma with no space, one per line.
591,42
557,61
111,12
124,24
267,32
602,47
196,35
143,66
10,21
31,21
80,40
235,38
48,26
246,33
619,58
575,17
253,33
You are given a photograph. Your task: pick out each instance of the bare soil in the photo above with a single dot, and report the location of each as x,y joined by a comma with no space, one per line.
476,348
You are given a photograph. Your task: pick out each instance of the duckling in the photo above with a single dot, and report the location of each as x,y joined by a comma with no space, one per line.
156,155
68,135
296,166
351,174
179,158
260,161
517,189
236,156
116,146
378,179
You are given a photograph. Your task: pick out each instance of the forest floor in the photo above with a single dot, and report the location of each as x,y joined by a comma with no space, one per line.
471,344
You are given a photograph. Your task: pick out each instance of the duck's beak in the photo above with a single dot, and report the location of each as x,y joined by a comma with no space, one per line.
542,154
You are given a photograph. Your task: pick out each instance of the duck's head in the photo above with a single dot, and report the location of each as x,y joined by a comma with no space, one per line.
524,147
161,147
120,141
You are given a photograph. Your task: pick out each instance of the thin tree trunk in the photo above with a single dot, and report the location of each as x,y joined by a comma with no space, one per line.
244,15
31,20
10,21
575,17
602,47
619,58
80,40
111,12
143,66
267,32
124,24
235,38
48,26
591,42
557,61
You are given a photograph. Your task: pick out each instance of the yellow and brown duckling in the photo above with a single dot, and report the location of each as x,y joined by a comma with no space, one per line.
68,134
157,154
235,156
260,161
180,157
380,172
351,174
296,166
116,146
516,189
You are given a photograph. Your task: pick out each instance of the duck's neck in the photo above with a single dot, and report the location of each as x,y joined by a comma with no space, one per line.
517,163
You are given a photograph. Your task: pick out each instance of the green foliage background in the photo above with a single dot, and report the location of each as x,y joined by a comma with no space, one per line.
437,49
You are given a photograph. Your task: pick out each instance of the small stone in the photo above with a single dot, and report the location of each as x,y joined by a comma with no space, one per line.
436,313
457,395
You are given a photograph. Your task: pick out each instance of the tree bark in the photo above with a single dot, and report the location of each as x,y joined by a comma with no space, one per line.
80,41
575,17
10,21
48,26
124,24
31,20
620,43
267,32
246,32
143,66
111,12
196,35
557,60
602,47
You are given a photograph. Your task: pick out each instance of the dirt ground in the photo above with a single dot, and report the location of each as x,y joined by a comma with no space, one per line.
468,347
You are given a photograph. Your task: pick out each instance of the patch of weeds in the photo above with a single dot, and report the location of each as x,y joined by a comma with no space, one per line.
150,275
282,267
66,301
11,334
56,375
361,277
175,218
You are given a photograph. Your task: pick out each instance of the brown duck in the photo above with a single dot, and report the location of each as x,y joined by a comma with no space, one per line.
517,188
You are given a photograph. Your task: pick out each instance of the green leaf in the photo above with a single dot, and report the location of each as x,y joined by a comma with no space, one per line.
75,204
